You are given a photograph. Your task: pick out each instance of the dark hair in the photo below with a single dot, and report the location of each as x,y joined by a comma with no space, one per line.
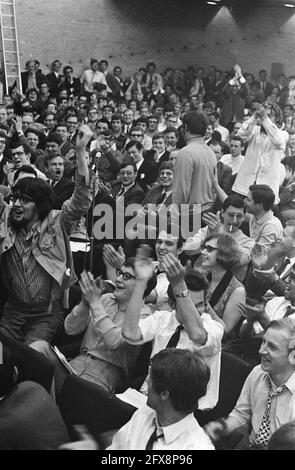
166,166
104,61
289,162
67,68
32,131
54,137
152,282
134,143
104,120
171,228
128,163
141,119
61,124
283,438
234,200
41,193
170,129
195,281
228,251
16,143
238,138
262,193
215,114
24,169
116,117
158,135
48,157
196,122
182,373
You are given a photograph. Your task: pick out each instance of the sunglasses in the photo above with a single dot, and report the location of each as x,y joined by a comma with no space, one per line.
126,276
209,248
23,198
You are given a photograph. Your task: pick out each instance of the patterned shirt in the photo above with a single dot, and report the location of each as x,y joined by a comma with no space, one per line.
25,277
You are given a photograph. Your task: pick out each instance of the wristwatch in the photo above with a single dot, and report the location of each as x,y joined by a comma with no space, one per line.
184,293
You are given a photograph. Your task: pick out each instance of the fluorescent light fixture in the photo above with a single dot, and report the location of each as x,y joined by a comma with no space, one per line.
211,3
289,5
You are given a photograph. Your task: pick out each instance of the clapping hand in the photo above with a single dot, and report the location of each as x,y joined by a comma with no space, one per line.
113,258
144,268
91,289
269,275
259,256
212,221
173,268
252,313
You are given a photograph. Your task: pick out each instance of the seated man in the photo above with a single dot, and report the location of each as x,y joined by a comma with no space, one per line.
36,262
105,357
188,326
231,218
267,398
178,379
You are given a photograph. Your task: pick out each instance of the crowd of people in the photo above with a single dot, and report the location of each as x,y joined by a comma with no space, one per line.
152,219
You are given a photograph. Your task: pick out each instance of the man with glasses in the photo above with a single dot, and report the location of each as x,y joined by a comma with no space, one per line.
152,125
105,357
72,126
36,260
126,187
21,155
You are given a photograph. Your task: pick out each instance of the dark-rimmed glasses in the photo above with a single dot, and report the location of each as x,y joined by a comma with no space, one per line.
126,276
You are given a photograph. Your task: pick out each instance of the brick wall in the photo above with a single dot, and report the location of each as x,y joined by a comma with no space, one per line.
170,32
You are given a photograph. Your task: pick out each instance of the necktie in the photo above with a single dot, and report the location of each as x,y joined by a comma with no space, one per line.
289,311
152,439
172,343
263,435
162,198
120,192
284,265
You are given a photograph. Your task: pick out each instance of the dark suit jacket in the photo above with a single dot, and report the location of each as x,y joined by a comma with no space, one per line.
54,83
62,191
134,195
25,76
114,84
147,174
268,88
149,156
233,104
73,88
154,196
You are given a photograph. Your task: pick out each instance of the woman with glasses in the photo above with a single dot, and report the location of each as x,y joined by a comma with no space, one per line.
220,255
105,358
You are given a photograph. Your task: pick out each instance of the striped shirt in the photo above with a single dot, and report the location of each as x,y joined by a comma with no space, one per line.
26,279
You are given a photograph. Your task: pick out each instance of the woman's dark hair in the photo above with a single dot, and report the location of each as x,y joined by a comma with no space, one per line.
41,193
182,373
196,122
228,251
152,282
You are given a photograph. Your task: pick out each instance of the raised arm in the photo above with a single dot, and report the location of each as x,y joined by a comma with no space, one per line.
185,308
79,203
144,270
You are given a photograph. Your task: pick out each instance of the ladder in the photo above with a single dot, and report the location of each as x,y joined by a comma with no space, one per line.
12,74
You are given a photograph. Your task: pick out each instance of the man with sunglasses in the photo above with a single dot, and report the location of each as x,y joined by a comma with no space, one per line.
36,260
105,357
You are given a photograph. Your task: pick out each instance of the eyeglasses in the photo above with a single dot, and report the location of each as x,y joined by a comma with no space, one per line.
23,198
136,135
209,248
126,276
